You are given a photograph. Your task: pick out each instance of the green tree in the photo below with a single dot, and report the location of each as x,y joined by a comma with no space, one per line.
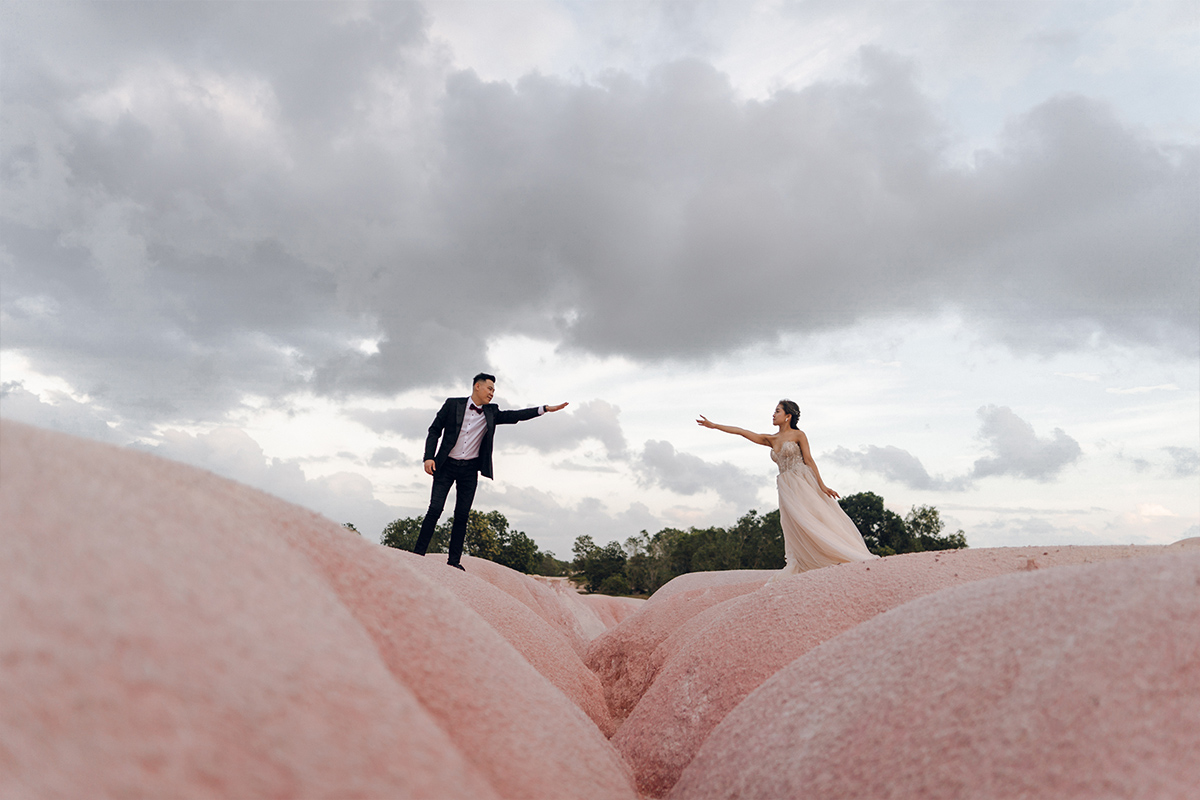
887,533
646,566
582,549
402,534
616,584
594,564
715,549
762,540
925,525
519,552
649,566
488,536
883,531
551,566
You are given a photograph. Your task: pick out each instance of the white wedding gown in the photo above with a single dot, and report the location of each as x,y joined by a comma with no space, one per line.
816,532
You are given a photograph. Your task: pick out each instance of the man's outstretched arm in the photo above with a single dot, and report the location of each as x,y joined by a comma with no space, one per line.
510,417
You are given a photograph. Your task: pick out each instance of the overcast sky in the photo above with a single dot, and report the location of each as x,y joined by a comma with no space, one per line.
269,239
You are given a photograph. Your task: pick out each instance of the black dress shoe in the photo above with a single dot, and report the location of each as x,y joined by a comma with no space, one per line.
457,566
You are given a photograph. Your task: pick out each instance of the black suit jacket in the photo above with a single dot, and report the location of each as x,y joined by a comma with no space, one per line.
448,423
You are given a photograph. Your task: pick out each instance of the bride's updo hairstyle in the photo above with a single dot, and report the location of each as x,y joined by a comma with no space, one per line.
789,407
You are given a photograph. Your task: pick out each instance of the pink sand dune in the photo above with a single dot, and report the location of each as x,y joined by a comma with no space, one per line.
544,647
1070,683
578,623
708,580
622,656
711,663
164,632
612,611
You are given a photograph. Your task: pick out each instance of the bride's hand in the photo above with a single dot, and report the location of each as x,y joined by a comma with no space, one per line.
704,423
830,492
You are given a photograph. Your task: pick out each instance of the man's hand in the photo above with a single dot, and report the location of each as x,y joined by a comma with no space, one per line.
558,407
429,467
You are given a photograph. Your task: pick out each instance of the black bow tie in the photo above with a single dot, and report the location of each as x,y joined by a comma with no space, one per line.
476,408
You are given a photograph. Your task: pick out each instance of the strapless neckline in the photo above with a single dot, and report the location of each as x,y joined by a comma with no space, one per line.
789,459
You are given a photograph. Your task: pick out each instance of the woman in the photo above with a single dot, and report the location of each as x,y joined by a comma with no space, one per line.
816,532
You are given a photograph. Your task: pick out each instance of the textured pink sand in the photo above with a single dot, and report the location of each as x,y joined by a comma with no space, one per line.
709,580
1071,683
612,611
622,655
578,623
505,717
164,632
711,663
544,647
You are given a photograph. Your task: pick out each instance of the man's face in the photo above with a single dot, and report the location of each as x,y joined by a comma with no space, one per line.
481,393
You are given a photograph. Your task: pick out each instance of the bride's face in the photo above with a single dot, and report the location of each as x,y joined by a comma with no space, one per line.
779,418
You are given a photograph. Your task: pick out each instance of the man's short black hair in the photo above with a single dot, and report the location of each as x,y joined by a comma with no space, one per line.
483,376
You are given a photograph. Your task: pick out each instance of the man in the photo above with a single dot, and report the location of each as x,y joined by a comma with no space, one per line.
466,427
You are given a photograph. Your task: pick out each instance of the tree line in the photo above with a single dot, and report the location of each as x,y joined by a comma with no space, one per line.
488,536
647,561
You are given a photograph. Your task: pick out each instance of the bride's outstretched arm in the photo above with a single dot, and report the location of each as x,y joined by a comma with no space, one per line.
757,438
808,459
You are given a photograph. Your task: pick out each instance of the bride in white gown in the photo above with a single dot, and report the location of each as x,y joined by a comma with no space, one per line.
816,532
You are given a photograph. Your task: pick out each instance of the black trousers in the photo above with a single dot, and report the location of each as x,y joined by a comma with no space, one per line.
466,475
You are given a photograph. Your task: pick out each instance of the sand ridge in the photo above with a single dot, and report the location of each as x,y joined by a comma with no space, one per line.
165,632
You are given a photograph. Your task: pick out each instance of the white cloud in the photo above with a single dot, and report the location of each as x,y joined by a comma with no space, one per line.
596,420
231,452
1185,461
1039,531
411,423
1165,387
687,474
1017,449
897,465
63,413
1154,510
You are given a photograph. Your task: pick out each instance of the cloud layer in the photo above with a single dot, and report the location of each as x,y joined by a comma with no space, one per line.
1016,451
191,215
342,496
683,473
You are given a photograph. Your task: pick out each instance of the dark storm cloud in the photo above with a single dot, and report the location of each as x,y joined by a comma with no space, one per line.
204,200
1016,451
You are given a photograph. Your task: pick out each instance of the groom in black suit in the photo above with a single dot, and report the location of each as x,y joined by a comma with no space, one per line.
466,426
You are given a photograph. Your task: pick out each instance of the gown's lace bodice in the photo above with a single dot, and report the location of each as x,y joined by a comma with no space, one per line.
788,458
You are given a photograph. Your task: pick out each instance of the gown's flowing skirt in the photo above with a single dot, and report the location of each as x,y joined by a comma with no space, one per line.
816,532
